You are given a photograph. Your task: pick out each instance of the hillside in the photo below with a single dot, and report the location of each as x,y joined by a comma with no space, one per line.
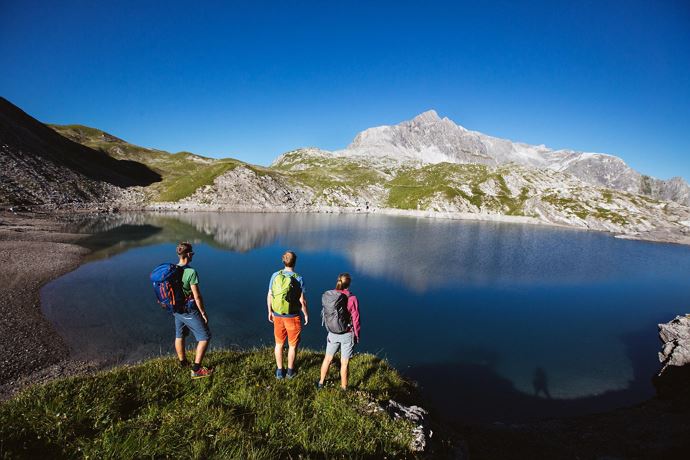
38,166
181,173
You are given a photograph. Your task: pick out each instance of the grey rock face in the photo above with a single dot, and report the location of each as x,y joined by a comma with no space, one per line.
419,418
673,381
675,336
430,139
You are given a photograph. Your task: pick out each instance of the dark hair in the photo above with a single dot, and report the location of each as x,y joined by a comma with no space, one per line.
289,259
184,248
343,282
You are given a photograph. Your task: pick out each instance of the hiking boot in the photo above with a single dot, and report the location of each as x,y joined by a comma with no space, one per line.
291,373
280,374
203,372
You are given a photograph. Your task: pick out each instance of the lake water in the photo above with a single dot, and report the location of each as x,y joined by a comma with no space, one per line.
495,321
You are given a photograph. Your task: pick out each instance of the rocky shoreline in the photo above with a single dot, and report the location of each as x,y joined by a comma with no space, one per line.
37,248
663,235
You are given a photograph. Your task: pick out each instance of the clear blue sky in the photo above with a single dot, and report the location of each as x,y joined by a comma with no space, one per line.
253,79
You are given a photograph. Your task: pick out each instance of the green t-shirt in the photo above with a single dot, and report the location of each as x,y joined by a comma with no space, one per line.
189,277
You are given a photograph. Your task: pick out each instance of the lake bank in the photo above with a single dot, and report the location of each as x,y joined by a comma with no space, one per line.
36,248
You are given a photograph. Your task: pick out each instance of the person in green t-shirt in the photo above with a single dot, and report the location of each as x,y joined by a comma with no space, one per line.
194,319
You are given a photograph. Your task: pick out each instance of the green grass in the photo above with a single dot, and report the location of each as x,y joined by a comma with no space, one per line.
155,410
182,173
416,188
567,204
190,178
611,216
324,175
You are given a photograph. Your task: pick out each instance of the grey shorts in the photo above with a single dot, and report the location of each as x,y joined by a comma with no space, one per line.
344,342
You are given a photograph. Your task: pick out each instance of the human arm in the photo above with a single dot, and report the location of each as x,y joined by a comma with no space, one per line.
199,301
303,301
353,308
269,303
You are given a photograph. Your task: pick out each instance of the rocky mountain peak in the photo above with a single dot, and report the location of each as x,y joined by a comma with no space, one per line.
430,116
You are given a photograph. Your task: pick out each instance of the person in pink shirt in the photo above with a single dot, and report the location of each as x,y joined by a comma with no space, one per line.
345,338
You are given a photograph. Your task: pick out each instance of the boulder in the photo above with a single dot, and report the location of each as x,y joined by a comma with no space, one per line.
673,381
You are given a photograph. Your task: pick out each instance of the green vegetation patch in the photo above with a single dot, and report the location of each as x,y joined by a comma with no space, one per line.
611,216
155,410
324,175
182,173
416,188
191,176
567,204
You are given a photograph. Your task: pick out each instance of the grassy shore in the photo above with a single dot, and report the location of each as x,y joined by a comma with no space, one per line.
154,409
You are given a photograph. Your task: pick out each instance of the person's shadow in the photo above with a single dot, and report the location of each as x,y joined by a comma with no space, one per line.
541,383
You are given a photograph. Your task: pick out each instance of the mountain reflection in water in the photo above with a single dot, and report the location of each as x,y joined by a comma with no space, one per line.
434,252
556,320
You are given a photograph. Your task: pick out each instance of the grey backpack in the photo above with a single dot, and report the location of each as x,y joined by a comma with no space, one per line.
334,315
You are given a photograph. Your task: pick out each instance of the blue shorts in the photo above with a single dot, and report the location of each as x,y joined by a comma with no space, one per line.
192,321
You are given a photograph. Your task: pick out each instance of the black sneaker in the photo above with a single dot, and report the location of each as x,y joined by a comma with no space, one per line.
280,374
290,373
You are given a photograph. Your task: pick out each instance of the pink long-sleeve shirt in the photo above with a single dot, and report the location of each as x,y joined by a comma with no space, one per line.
353,308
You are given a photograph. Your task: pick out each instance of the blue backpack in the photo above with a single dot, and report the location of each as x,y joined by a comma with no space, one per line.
167,285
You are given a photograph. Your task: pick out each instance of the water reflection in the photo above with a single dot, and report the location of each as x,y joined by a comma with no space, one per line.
422,254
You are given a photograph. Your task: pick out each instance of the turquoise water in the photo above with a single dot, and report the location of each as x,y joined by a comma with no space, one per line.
495,321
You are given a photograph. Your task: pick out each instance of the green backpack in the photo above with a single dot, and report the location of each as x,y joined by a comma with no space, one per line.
286,291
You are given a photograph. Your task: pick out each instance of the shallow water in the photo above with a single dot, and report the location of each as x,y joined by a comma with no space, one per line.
496,321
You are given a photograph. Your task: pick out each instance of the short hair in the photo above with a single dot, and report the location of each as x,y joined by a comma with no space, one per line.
289,259
184,248
344,280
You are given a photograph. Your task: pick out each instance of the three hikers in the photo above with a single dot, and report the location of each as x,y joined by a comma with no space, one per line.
341,318
285,299
177,289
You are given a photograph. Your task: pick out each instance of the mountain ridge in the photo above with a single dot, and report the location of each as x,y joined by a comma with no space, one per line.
428,138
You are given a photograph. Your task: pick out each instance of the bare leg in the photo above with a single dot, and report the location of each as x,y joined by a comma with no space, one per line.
200,351
279,355
179,348
343,372
292,351
324,367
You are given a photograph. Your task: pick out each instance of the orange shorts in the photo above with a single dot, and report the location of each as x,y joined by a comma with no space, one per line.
287,328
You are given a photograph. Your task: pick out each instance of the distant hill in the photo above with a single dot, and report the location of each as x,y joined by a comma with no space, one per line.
39,166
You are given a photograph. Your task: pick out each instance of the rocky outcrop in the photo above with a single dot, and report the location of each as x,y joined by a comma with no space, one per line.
673,381
419,418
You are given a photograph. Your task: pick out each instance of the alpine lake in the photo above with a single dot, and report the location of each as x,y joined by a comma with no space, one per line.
495,321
